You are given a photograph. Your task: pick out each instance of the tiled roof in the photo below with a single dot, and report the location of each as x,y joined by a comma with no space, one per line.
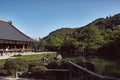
9,32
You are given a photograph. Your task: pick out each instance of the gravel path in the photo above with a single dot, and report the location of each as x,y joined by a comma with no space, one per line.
8,55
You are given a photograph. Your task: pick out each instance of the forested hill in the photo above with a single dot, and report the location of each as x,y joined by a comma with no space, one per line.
96,38
101,23
61,33
108,22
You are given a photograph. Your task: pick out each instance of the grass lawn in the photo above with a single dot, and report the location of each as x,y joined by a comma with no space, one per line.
32,57
2,61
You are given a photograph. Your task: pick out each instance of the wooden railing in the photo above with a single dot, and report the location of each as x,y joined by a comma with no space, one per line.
85,74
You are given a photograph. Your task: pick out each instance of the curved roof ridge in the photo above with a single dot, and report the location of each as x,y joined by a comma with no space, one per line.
5,20
8,31
21,32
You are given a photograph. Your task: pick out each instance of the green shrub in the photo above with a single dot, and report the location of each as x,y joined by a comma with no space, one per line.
35,63
53,65
112,70
37,71
64,64
16,64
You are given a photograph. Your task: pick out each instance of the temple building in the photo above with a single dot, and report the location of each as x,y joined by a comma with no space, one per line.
13,40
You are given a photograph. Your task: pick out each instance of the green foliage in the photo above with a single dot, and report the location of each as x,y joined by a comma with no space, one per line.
38,69
92,34
86,40
55,39
41,44
108,36
116,33
2,61
111,48
112,70
16,64
63,64
93,38
69,46
61,33
54,43
99,64
35,63
35,68
53,65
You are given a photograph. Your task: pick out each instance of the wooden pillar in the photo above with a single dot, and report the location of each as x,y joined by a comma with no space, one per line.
15,43
28,46
15,48
23,47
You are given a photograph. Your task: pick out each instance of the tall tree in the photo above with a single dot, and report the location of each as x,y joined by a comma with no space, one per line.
92,38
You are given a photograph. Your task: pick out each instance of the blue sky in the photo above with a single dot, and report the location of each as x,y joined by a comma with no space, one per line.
37,18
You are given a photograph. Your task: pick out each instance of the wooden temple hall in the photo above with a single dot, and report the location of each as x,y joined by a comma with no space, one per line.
13,40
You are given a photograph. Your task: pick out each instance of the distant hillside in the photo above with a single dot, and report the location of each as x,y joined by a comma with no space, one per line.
94,38
56,38
61,33
108,22
101,23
